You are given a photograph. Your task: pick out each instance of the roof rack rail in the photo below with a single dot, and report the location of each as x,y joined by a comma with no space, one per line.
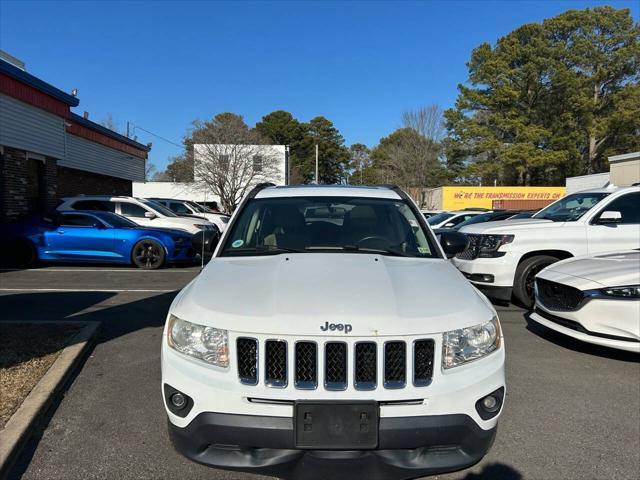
260,186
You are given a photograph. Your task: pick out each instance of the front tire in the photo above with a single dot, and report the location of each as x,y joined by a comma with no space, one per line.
148,254
525,275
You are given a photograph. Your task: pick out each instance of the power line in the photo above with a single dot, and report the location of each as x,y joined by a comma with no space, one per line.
156,135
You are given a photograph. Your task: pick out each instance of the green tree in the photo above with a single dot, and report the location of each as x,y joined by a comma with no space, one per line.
281,128
333,155
549,100
359,161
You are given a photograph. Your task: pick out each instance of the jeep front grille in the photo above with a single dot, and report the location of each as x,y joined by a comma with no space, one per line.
328,364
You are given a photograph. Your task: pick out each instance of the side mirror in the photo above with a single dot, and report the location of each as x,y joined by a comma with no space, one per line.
150,215
453,243
448,225
610,216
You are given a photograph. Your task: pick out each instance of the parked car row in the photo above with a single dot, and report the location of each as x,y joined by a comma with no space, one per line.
576,263
114,229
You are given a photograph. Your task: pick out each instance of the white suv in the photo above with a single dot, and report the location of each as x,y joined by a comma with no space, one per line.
330,337
138,210
189,208
503,258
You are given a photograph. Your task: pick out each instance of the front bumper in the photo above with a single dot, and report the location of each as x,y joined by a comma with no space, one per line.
609,323
408,447
205,240
502,270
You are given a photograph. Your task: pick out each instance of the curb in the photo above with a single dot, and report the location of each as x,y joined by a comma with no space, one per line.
22,423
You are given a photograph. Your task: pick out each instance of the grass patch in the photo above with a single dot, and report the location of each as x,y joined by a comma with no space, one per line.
26,353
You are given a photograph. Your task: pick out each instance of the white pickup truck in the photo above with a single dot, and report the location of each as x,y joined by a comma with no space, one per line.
503,258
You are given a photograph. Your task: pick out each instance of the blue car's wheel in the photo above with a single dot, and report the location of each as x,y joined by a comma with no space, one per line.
148,254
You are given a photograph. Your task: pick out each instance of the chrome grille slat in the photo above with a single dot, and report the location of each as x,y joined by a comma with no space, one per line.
335,366
365,361
306,358
275,367
247,360
395,364
423,353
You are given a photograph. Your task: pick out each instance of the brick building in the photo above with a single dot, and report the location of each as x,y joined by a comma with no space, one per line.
48,152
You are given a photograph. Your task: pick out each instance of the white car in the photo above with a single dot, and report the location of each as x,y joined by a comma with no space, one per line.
189,208
330,339
452,219
595,299
138,210
503,258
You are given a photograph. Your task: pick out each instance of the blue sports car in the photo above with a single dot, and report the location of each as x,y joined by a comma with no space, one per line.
92,236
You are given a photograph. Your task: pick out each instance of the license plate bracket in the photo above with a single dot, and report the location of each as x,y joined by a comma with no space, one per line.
336,425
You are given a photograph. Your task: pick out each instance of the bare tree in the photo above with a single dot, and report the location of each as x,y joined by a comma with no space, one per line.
110,123
427,121
231,170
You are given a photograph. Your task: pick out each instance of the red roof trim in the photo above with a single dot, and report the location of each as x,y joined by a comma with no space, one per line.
87,133
27,94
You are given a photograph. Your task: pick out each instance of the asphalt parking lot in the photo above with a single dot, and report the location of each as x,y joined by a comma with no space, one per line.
572,411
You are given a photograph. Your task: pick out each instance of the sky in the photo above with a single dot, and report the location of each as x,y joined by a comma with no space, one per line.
160,65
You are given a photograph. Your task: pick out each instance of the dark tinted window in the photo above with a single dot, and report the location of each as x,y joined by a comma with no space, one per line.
458,220
333,224
132,210
101,205
179,208
629,207
77,220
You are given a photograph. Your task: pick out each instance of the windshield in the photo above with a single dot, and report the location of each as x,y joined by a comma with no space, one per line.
336,224
484,217
116,221
158,208
571,207
439,218
199,208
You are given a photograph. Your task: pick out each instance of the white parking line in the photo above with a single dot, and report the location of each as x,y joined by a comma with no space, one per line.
44,270
83,290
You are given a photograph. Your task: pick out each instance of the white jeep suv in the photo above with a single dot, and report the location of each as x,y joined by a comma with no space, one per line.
330,337
503,258
138,210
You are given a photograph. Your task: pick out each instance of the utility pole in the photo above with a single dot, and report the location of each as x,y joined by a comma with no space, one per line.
316,164
127,129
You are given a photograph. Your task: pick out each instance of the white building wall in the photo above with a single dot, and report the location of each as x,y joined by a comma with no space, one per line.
277,152
584,182
176,190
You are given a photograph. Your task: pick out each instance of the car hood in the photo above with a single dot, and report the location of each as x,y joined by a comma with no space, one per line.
170,231
296,294
183,223
614,269
507,226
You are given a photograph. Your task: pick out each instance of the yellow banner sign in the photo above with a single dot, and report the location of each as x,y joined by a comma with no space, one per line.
457,198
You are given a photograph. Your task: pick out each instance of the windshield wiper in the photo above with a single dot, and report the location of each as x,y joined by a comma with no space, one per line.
262,250
381,251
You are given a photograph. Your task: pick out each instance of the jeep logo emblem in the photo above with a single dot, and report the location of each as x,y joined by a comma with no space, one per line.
341,327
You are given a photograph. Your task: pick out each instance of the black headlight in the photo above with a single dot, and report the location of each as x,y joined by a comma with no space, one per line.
489,245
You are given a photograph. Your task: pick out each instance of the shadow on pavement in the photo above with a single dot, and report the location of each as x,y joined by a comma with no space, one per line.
576,345
495,471
115,321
